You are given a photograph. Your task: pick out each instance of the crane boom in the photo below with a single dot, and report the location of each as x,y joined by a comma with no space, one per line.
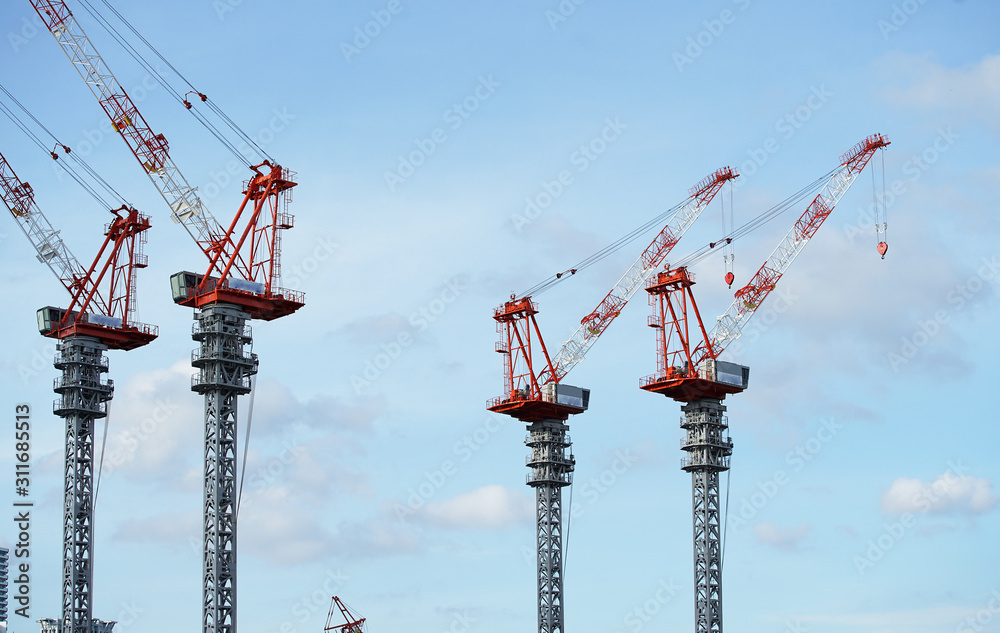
52,251
149,148
747,299
594,324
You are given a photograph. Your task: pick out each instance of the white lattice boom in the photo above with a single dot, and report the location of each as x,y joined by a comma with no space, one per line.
593,325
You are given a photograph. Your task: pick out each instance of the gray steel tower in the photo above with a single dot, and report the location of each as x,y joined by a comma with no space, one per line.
83,400
708,448
225,366
551,462
4,562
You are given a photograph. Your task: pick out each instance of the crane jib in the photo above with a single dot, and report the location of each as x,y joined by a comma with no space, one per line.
749,298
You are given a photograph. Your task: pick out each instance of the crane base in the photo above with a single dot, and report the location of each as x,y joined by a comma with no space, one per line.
192,290
533,410
125,338
690,389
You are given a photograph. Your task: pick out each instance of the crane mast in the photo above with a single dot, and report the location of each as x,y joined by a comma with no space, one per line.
242,282
534,393
689,371
100,316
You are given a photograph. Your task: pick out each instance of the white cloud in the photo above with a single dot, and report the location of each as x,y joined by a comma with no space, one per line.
308,468
167,529
277,410
491,507
381,536
276,527
923,81
373,330
917,620
948,494
781,538
155,425
157,428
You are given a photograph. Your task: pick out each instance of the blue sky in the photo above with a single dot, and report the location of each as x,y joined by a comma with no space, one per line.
882,373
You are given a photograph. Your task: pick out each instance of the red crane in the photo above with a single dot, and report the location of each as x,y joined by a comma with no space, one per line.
681,360
690,371
353,623
101,315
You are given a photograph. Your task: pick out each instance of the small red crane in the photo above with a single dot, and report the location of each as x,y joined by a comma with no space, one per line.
352,623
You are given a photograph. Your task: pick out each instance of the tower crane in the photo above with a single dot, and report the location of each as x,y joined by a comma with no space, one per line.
353,623
689,371
535,394
241,283
101,315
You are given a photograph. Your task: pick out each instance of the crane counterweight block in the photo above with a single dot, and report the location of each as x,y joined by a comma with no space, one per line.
194,290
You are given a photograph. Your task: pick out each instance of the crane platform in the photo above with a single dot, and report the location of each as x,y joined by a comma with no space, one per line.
250,296
714,379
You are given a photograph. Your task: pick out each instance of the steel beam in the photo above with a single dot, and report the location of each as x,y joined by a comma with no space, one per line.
225,366
708,448
551,462
83,398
